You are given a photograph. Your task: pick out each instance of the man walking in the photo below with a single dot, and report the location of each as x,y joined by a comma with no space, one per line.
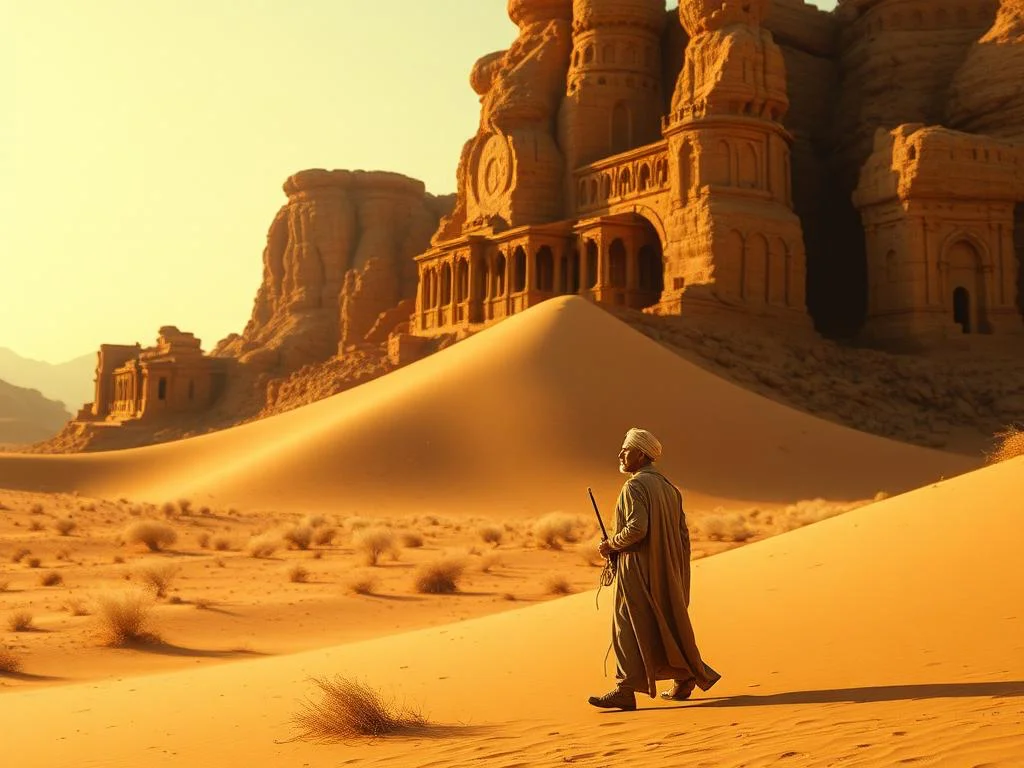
651,632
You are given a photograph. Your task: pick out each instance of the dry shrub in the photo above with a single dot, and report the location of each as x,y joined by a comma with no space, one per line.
357,523
314,521
63,554
362,584
203,540
557,585
168,509
153,534
20,554
4,584
185,506
489,561
374,542
412,540
440,577
36,525
36,509
1009,445
158,576
812,511
324,536
492,534
125,617
118,559
51,579
202,603
9,663
297,574
726,526
263,545
221,543
65,526
76,606
555,529
298,536
348,709
33,562
20,621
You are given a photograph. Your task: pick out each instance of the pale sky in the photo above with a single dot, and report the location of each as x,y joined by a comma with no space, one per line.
143,145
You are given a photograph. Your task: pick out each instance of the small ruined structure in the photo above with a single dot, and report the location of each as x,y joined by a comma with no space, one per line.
752,157
146,384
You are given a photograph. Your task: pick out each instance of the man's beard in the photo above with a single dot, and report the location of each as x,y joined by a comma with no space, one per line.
623,470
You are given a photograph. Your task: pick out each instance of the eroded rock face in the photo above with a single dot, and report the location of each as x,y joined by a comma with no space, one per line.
509,173
986,96
339,253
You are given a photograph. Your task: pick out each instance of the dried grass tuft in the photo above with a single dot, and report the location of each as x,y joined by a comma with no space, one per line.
65,526
324,535
412,540
440,577
263,545
51,579
155,535
372,543
1009,445
298,536
298,574
157,576
492,534
726,526
9,663
124,618
555,529
20,621
349,709
362,584
557,585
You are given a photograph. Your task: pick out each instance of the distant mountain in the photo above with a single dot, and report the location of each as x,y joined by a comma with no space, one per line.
71,383
27,417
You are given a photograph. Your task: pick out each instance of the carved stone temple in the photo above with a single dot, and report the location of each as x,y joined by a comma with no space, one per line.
858,168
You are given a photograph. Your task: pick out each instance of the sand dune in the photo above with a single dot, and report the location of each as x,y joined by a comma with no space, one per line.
518,419
891,634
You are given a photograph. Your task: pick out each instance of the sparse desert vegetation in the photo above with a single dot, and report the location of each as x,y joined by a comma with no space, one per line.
556,584
9,663
20,621
157,576
298,574
125,618
346,709
440,577
65,526
374,543
556,529
155,535
264,545
1009,445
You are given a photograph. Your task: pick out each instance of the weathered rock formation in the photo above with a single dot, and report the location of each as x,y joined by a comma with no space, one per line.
26,416
512,168
987,95
339,253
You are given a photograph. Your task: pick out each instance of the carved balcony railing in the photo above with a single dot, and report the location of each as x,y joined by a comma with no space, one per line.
632,175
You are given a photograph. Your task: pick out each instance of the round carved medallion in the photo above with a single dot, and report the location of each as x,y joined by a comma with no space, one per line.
494,170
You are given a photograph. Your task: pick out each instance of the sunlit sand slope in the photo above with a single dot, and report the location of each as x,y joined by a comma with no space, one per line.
519,418
893,634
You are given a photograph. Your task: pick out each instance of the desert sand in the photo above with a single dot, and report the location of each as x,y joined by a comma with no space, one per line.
891,633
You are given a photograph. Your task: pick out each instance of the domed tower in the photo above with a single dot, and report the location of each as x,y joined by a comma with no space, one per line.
613,99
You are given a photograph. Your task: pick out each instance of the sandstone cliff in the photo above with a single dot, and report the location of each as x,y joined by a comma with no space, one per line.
26,416
339,253
982,103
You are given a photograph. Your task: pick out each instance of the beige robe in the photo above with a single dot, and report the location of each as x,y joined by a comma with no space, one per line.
651,632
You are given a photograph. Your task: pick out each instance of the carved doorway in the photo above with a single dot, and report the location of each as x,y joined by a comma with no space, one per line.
962,308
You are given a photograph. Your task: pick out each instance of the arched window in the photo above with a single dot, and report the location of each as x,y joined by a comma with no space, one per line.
545,269
519,269
591,276
617,263
500,267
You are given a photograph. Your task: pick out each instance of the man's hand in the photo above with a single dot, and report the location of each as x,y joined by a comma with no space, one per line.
605,548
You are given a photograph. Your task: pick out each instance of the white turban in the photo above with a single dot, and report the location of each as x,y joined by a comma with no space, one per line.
644,441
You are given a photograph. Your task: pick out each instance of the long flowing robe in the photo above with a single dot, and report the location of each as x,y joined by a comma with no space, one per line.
651,632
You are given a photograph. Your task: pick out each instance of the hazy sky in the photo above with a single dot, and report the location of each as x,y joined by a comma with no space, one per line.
143,145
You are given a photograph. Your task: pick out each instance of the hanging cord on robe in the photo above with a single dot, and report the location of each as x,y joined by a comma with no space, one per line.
607,577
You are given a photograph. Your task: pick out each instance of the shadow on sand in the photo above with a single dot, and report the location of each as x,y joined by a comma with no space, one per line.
1002,689
162,648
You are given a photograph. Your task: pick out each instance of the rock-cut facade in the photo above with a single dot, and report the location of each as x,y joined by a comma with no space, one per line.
757,157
